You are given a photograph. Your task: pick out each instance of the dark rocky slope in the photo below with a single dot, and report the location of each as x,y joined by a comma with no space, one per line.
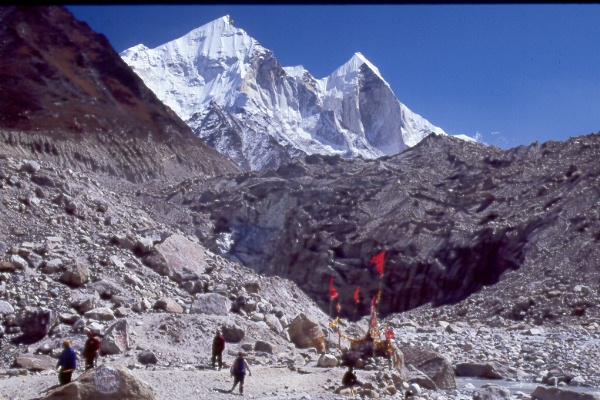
453,217
67,96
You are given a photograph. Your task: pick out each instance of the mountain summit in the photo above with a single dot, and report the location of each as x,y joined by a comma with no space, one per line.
235,95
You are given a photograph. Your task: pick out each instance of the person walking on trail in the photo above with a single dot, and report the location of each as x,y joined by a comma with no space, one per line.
238,371
217,349
67,363
91,350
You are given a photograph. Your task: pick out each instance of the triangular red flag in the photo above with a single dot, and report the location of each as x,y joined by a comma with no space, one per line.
333,293
356,294
378,261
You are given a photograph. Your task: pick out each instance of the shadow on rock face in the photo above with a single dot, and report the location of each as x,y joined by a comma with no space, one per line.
457,270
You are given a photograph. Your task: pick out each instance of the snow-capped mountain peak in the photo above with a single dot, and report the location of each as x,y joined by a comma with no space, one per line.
235,95
355,64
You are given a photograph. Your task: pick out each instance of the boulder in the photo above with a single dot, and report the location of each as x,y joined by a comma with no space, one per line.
305,332
210,303
477,370
147,357
105,382
7,266
431,363
30,166
168,305
83,302
274,323
75,275
52,266
107,289
18,261
263,346
232,333
544,393
252,287
116,338
100,314
35,324
327,361
35,362
6,308
178,258
492,392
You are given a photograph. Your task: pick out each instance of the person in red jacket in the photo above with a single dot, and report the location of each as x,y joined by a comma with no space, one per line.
217,349
90,350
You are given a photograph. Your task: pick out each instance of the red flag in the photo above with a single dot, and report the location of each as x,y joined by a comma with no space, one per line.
378,261
389,334
356,294
333,293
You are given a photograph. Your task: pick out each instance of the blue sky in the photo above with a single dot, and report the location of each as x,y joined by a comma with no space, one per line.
512,74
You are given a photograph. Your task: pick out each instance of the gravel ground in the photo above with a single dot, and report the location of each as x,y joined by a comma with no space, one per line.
265,383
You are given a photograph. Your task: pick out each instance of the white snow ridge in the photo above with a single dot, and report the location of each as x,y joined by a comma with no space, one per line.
235,95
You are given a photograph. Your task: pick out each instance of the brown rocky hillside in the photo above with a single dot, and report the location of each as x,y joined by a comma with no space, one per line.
68,96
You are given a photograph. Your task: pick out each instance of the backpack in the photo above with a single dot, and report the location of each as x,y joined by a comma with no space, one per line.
91,347
95,345
238,367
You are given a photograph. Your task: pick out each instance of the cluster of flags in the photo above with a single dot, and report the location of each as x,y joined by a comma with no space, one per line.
378,260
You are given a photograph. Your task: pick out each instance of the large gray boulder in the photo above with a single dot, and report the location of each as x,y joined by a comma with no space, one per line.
478,370
210,303
6,308
116,339
232,332
431,363
550,393
178,258
106,382
492,392
35,362
75,275
168,305
35,324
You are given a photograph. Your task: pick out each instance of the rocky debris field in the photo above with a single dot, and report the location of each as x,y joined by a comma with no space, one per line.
453,217
80,252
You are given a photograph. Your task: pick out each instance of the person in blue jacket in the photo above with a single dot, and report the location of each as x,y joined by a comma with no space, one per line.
238,371
67,363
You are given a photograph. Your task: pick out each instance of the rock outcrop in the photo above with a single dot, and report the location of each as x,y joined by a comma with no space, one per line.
104,383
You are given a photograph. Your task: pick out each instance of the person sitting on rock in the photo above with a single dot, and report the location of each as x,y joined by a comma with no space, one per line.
91,350
238,371
366,349
217,349
67,363
349,380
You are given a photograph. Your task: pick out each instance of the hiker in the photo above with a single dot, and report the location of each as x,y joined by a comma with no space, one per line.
67,363
90,350
349,380
238,371
217,349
